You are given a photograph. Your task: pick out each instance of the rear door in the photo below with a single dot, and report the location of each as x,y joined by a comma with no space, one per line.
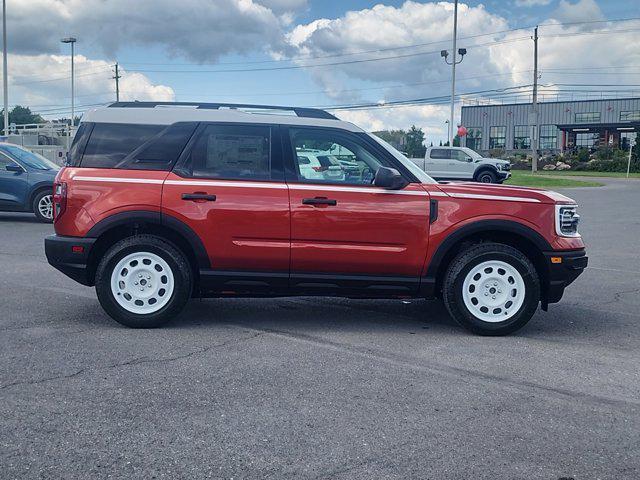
438,163
228,186
347,233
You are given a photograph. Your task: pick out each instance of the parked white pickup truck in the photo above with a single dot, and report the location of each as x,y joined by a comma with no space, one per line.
462,163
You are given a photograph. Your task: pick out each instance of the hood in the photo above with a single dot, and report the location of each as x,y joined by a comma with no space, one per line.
484,191
494,160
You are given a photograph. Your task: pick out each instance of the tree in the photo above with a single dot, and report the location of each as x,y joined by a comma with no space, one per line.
20,115
456,141
415,143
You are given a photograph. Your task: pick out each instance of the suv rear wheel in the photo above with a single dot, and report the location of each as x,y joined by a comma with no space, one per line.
143,281
491,289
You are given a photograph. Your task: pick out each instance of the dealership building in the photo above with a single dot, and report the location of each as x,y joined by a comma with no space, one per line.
562,126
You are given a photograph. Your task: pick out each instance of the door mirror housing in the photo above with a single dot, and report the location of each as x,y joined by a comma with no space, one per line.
13,167
389,178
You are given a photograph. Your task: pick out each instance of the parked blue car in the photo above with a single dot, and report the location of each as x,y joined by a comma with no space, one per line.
26,182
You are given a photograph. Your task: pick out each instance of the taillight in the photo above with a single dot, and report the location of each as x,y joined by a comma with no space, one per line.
59,199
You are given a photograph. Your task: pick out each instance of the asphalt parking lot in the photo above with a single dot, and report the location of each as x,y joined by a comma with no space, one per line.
323,388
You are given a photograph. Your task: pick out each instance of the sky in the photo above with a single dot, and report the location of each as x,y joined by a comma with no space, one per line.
322,53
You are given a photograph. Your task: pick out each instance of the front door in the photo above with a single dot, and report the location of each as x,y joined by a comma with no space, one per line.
461,165
13,185
229,188
345,232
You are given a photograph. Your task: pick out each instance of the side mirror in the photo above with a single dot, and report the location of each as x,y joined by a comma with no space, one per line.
390,179
12,167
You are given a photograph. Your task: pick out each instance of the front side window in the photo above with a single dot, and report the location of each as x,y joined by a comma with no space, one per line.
5,161
587,117
30,159
232,152
324,156
474,138
460,156
110,143
548,137
497,137
521,138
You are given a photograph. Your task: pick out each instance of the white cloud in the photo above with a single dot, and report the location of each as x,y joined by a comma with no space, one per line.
580,11
43,82
532,3
200,30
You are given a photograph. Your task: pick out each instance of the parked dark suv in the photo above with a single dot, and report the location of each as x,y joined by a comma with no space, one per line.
26,182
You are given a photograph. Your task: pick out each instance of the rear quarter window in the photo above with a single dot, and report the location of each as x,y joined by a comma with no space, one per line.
110,143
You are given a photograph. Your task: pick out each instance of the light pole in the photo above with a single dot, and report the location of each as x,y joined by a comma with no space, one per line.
445,54
5,73
448,129
72,41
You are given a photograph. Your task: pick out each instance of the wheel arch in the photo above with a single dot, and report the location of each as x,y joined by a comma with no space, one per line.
509,232
36,190
484,168
125,224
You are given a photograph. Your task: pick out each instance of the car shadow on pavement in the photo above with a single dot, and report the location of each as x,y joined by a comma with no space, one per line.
20,217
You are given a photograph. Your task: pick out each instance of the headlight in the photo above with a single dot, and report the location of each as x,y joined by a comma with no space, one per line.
567,220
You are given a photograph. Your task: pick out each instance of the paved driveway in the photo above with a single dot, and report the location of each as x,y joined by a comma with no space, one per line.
323,388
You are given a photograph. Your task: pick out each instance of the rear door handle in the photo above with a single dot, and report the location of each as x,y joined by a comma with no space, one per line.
319,201
199,197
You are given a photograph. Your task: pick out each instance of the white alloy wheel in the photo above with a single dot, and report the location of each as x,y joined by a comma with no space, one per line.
142,283
45,207
493,291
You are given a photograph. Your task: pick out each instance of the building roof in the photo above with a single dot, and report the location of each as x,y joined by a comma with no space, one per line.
625,99
166,113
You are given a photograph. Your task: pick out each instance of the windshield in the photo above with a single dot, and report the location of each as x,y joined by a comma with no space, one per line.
29,159
409,165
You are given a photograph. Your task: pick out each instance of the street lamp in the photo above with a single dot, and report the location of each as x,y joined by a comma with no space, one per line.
445,54
5,74
72,41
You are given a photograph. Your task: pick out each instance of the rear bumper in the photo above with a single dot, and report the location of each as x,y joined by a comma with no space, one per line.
71,261
564,268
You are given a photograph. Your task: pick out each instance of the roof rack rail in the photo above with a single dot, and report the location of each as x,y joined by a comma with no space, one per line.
299,111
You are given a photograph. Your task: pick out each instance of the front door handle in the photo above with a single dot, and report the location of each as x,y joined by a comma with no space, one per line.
199,197
319,201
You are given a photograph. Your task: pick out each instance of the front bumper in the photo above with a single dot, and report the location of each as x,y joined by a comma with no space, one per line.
503,175
564,268
71,261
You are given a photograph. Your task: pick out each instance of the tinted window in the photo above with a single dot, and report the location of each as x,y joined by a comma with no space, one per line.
233,152
110,143
338,157
440,153
5,160
30,159
460,156
161,151
79,143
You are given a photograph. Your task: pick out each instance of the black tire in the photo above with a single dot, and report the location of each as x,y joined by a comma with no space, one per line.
487,176
464,262
180,268
40,196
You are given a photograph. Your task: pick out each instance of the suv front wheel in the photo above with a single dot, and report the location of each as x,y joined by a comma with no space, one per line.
491,289
143,281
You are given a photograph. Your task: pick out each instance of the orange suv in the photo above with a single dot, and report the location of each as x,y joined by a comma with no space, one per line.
163,202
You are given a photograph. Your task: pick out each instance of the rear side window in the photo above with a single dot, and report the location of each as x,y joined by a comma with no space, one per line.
232,152
110,143
440,153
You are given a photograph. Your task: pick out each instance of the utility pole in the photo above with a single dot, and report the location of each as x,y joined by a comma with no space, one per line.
5,73
117,77
453,70
534,137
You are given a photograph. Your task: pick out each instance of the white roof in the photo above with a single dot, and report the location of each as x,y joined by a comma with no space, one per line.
166,115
